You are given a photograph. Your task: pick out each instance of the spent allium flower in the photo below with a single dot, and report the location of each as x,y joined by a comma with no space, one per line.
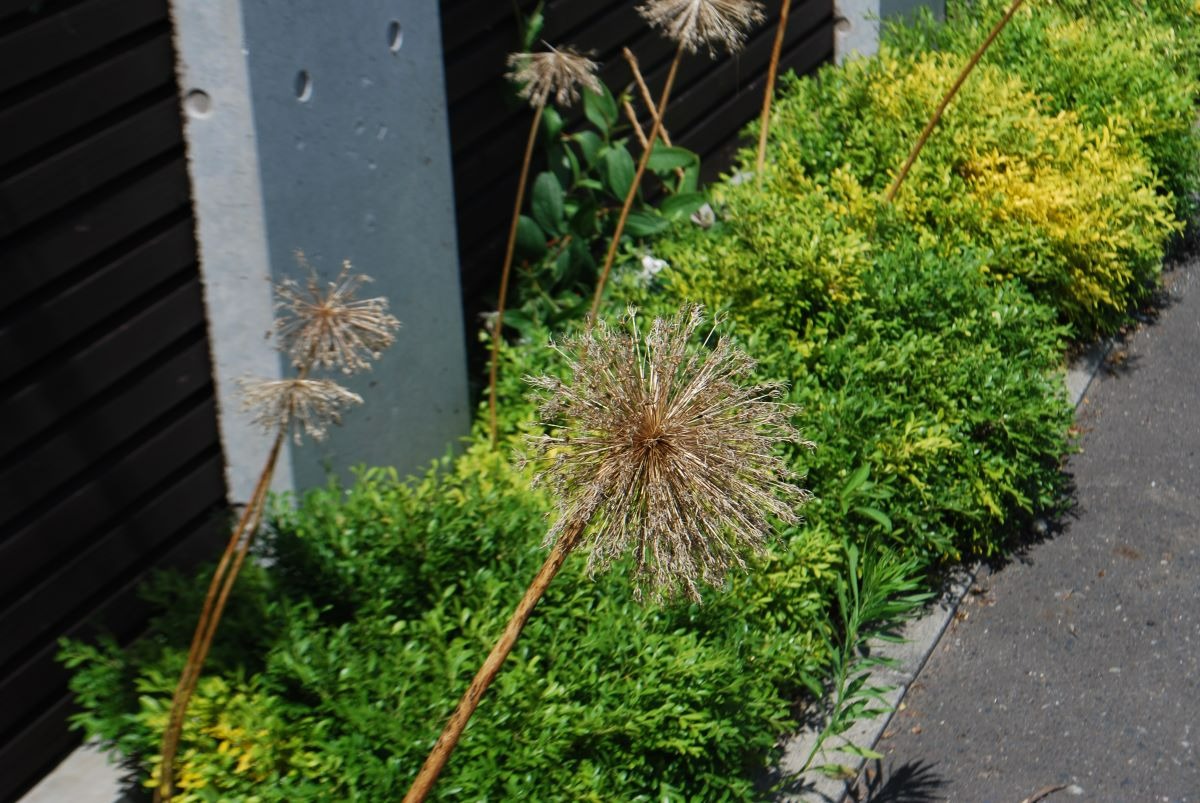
310,405
666,451
704,23
329,327
560,73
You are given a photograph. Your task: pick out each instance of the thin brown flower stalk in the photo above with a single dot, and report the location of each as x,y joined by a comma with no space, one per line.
631,116
560,73
660,449
649,101
655,129
339,331
764,123
210,614
644,91
890,195
692,24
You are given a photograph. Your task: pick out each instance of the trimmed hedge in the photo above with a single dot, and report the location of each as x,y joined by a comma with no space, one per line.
924,343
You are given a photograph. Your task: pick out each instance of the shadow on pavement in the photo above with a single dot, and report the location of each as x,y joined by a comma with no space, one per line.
914,782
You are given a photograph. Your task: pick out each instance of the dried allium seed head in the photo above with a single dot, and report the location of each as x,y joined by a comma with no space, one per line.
329,327
310,405
666,452
704,23
560,73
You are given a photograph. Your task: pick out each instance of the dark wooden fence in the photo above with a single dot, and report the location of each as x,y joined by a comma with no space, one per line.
711,103
109,458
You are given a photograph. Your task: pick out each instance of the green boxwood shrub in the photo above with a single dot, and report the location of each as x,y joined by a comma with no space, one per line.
1066,207
923,343
1134,70
379,604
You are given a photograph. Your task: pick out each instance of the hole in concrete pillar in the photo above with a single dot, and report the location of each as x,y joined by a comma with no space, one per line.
303,86
197,103
395,36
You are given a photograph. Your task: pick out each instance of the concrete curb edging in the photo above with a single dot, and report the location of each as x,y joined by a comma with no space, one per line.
920,638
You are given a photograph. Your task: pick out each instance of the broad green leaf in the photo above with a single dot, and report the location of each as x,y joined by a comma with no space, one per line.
876,515
663,158
641,224
617,168
547,203
855,750
600,108
682,205
856,480
590,144
552,123
531,240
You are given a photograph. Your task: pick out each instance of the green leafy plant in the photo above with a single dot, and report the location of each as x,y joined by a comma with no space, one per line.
878,590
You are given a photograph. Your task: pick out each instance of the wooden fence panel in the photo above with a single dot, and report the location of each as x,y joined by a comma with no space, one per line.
110,463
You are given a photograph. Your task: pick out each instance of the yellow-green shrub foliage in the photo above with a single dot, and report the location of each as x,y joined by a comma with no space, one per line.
1131,67
1070,209
1078,218
777,252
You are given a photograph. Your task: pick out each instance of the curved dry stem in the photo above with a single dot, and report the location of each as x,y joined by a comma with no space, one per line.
210,616
446,743
497,331
655,129
890,195
764,124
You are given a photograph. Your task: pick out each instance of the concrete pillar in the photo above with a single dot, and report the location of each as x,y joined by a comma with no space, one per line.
322,127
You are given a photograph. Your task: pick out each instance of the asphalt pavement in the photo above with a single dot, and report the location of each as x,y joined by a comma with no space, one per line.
1072,672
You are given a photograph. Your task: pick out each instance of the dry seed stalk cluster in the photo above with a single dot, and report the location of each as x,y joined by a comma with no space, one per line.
316,327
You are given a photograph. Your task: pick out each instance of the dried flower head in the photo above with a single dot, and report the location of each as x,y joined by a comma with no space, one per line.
665,451
329,327
704,23
310,405
560,73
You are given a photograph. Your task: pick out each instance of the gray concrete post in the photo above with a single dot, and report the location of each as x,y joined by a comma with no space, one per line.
322,127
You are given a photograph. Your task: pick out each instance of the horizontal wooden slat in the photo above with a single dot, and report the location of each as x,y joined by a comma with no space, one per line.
65,387
465,21
42,327
42,613
89,164
19,13
87,439
733,79
43,739
109,493
53,41
38,256
197,490
29,755
82,99
713,130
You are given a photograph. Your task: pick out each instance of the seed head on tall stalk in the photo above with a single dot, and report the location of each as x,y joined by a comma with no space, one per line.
692,25
317,327
560,73
657,447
